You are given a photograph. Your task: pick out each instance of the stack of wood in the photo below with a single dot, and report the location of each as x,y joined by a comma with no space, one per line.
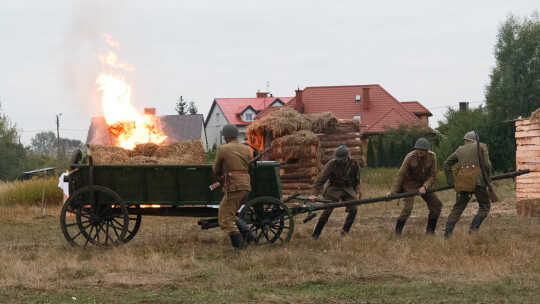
346,132
528,157
300,155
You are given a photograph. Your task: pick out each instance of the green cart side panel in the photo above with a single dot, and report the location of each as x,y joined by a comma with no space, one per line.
173,184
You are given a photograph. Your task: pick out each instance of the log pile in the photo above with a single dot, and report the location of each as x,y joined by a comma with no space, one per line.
528,157
347,132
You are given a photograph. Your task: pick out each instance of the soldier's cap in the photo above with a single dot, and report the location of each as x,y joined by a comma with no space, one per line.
422,143
342,152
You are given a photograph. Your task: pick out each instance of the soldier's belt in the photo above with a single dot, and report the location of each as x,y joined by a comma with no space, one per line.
236,172
471,167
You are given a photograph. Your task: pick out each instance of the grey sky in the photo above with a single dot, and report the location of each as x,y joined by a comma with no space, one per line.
436,52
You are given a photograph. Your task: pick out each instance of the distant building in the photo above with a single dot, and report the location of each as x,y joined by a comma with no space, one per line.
176,127
371,104
237,111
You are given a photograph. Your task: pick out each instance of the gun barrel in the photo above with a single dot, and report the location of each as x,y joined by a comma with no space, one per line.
332,204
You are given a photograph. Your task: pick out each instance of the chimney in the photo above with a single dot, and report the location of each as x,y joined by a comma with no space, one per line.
150,111
463,106
365,97
262,94
299,107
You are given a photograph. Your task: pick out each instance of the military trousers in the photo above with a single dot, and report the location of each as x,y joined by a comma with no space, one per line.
463,198
351,210
231,202
432,200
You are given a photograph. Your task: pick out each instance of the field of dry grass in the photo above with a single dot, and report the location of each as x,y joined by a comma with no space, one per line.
171,260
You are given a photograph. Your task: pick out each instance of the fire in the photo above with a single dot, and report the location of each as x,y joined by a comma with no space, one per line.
127,125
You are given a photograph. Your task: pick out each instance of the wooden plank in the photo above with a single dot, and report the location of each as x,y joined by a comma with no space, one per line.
528,141
527,154
534,181
533,127
522,134
527,159
528,148
533,168
528,176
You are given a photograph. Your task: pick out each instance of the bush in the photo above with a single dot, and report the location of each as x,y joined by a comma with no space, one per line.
29,192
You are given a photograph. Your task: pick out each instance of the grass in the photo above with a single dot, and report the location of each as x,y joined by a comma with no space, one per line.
30,192
172,261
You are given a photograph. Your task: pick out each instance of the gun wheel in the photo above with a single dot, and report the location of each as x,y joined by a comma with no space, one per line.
269,218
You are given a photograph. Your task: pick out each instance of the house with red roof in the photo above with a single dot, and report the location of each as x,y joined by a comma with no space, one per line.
237,111
371,104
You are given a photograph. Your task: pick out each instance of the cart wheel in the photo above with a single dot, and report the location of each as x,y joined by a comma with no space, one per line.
76,157
133,227
104,222
269,219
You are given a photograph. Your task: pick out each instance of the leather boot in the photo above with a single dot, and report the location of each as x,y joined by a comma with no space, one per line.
431,224
449,229
348,222
248,235
237,241
475,225
318,229
399,227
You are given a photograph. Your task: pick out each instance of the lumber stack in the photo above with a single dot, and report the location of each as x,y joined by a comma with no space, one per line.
297,177
347,132
528,157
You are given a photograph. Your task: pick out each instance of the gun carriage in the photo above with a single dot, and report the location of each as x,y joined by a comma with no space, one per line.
107,202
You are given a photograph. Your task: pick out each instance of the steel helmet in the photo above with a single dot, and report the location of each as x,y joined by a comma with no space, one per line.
422,143
470,136
341,153
229,131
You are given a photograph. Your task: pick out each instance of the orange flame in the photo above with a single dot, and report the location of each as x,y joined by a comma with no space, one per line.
123,121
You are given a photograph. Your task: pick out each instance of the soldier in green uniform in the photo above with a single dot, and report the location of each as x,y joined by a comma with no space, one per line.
468,181
343,176
417,174
232,165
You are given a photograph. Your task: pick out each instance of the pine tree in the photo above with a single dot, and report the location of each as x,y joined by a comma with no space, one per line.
370,157
181,106
381,154
192,109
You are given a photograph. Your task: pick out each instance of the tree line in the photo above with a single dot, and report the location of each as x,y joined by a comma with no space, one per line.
513,91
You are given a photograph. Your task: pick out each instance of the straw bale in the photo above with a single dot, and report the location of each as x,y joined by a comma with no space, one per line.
322,122
184,152
535,116
282,122
297,145
528,207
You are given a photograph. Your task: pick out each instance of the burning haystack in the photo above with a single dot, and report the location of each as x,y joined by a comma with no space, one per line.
184,152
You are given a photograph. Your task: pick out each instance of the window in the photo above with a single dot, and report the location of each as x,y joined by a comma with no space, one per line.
359,117
248,117
217,119
358,98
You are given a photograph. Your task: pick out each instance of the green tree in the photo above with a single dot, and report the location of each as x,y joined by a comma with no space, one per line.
192,109
514,88
181,106
371,161
44,143
11,150
406,136
381,154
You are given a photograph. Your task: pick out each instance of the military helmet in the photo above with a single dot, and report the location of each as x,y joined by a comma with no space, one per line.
341,153
422,143
470,136
229,131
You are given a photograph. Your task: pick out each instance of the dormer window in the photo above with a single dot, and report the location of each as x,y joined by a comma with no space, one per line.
357,98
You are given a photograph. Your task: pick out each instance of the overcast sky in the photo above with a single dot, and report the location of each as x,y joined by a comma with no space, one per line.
435,52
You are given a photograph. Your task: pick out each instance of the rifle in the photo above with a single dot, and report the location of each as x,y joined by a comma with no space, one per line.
492,196
222,179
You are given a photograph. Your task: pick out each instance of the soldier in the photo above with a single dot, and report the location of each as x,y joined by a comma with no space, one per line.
417,174
343,174
468,180
232,165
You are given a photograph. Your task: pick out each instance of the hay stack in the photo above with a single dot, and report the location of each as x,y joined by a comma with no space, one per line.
184,152
345,132
284,121
528,157
528,207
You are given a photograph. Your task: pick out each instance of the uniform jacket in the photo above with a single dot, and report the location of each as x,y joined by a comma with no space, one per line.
230,157
341,178
416,171
467,155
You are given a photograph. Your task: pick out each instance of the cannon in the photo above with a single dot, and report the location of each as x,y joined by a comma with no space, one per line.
107,202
